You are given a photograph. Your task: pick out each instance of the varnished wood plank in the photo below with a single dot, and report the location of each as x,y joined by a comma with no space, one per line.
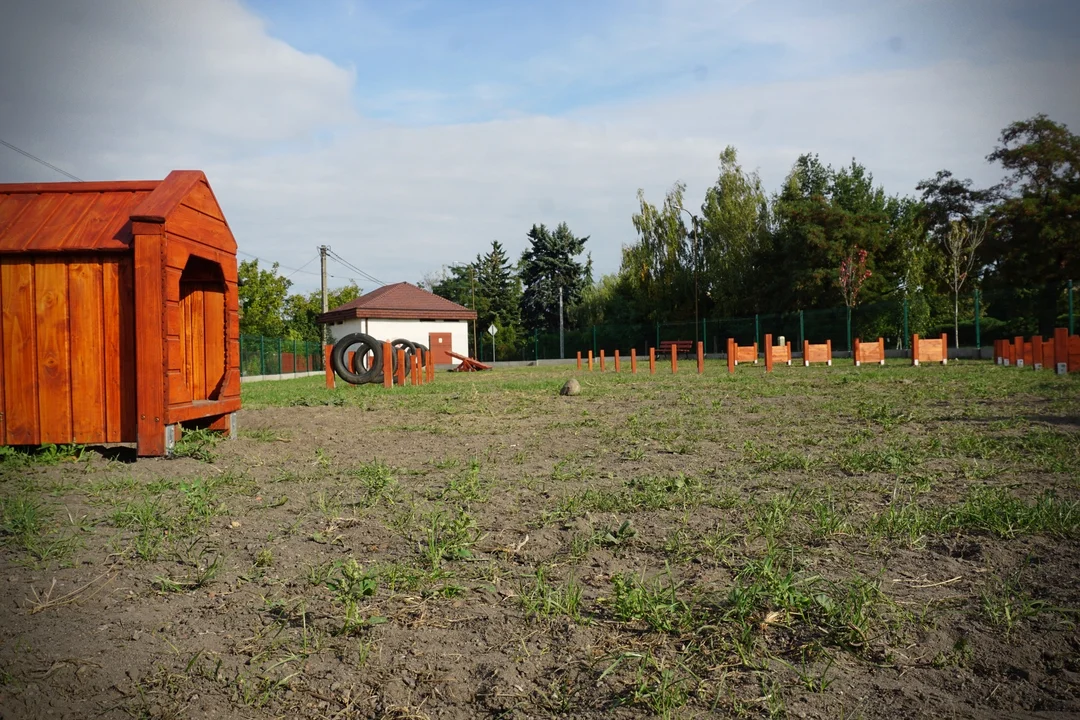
53,350
196,226
129,421
214,338
202,198
110,331
57,231
176,255
201,409
172,285
167,195
104,226
20,352
149,344
3,425
11,208
87,351
79,187
174,319
21,234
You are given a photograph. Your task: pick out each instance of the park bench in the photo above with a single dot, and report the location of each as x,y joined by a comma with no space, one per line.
682,347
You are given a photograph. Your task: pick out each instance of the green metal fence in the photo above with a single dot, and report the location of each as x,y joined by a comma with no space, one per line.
278,356
985,316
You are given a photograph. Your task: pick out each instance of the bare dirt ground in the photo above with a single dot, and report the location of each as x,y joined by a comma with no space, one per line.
821,543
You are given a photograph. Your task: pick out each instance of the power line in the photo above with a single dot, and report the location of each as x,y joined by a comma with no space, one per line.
295,270
301,268
350,266
37,159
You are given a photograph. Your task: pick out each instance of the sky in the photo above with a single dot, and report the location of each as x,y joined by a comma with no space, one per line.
409,134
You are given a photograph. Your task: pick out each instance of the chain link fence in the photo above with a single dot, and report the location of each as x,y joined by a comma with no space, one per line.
984,316
278,356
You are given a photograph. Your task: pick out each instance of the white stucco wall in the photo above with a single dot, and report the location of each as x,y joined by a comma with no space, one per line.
412,330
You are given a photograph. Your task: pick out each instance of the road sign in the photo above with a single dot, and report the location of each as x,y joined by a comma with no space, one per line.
492,330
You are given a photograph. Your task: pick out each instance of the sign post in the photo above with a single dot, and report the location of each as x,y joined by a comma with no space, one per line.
491,331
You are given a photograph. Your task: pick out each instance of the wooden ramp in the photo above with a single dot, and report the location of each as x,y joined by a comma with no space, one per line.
467,363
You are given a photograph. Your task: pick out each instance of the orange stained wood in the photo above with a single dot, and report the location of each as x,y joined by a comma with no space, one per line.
440,345
633,361
590,360
85,294
745,353
1073,355
18,312
652,361
401,366
328,367
430,367
700,357
674,358
768,353
579,360
616,361
53,351
817,353
731,356
935,350
602,368
1037,352
869,352
1021,357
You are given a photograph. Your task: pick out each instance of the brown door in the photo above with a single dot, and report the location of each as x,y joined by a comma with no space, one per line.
440,347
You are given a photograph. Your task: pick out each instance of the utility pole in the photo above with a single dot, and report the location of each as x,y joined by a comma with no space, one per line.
562,345
476,326
325,306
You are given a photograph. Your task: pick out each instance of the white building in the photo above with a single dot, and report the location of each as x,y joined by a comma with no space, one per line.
405,311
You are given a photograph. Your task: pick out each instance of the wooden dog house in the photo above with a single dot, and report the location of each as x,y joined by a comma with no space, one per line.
118,312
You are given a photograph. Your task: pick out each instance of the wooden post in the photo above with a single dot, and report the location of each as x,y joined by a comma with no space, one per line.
700,357
401,366
768,352
1061,350
430,366
602,367
945,349
731,355
915,349
755,352
633,361
790,357
881,349
806,353
151,382
616,361
578,359
328,366
590,361
1018,341
856,353
387,365
674,358
1036,352
652,361
828,351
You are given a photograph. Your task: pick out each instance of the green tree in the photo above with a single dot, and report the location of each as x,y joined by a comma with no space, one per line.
548,264
1036,238
659,265
498,284
262,296
301,311
734,232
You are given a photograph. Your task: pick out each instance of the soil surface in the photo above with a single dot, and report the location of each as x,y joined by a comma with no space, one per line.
819,543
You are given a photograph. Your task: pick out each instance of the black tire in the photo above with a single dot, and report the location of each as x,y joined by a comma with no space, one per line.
361,344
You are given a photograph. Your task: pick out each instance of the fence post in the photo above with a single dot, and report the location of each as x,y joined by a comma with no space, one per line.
1072,317
262,355
978,331
294,356
849,328
802,329
903,340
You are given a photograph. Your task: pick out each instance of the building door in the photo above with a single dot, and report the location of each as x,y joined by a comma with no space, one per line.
440,347
202,333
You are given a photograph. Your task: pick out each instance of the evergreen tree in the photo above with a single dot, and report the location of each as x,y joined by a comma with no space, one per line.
548,264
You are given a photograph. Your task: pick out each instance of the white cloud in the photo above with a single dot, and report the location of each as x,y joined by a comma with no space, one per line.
129,90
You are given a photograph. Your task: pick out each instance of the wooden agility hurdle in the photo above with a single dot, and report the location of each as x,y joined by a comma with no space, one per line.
871,352
820,353
925,350
776,353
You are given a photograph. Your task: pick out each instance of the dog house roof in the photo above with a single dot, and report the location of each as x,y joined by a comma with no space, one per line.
98,216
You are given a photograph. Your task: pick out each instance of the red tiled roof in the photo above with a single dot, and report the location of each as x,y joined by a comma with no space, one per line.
399,301
52,217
